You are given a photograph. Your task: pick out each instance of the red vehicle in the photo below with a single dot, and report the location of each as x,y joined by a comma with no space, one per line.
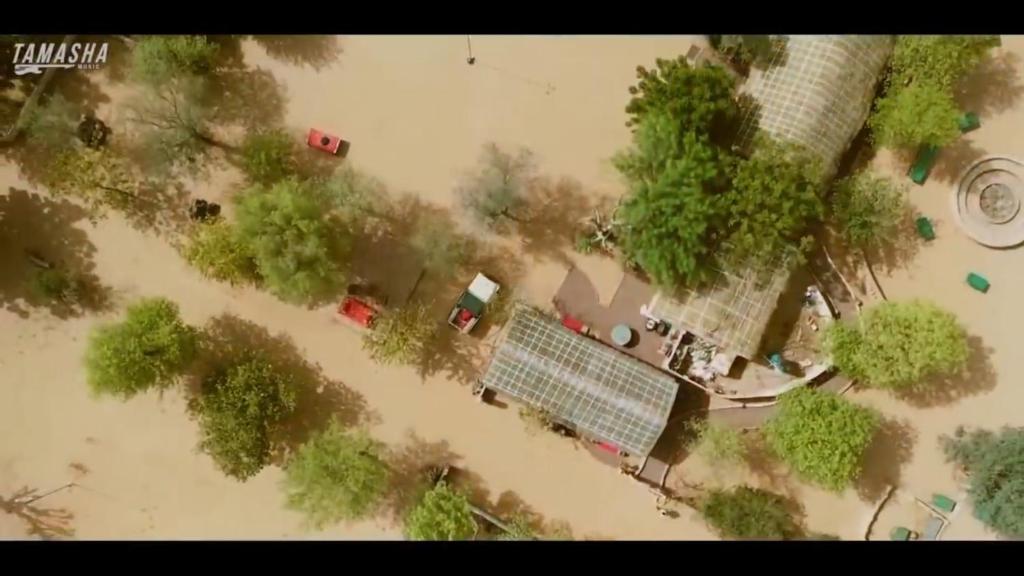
323,141
358,311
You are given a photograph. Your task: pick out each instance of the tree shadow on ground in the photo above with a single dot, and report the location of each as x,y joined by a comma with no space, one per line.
251,98
993,87
45,227
954,159
47,523
786,313
977,378
556,209
766,465
80,87
314,50
228,339
463,357
161,207
510,505
891,447
409,462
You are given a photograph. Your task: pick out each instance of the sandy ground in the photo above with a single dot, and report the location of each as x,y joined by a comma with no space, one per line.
416,114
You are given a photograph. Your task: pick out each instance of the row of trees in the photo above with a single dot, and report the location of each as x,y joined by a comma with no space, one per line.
918,105
245,398
692,201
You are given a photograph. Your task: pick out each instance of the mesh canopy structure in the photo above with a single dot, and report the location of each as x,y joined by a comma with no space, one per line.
602,392
817,92
732,312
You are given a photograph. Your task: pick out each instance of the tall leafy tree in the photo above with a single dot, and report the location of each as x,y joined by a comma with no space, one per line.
296,248
718,444
442,514
157,60
240,408
939,60
216,249
668,223
749,513
174,120
442,248
699,98
401,336
821,435
268,156
995,466
149,348
899,345
774,198
52,125
336,475
868,209
99,177
920,114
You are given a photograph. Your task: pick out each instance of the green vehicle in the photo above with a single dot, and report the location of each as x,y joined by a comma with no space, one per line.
923,164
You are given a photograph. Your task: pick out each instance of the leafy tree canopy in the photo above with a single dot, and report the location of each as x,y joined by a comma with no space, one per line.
150,347
296,250
442,514
336,475
99,177
400,336
174,122
899,345
159,59
868,209
268,156
995,467
756,49
719,444
52,126
441,246
773,200
699,98
938,60
668,222
216,249
749,513
920,114
239,409
821,435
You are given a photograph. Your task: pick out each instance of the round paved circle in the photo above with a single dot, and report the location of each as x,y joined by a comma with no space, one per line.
987,202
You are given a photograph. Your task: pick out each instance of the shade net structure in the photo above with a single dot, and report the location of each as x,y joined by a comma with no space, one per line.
732,311
816,92
603,393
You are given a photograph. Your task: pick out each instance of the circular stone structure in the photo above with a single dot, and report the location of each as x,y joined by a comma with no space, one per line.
987,202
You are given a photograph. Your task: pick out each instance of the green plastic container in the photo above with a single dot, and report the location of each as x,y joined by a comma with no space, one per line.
943,503
978,282
968,122
923,164
899,534
925,228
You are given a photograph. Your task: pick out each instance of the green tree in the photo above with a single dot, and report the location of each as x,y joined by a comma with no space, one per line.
442,514
149,348
268,156
216,249
240,408
52,125
749,513
495,192
868,209
899,345
157,60
748,49
699,98
920,114
719,444
401,336
668,224
536,419
519,528
821,436
442,248
773,200
938,60
98,177
995,467
296,248
336,475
